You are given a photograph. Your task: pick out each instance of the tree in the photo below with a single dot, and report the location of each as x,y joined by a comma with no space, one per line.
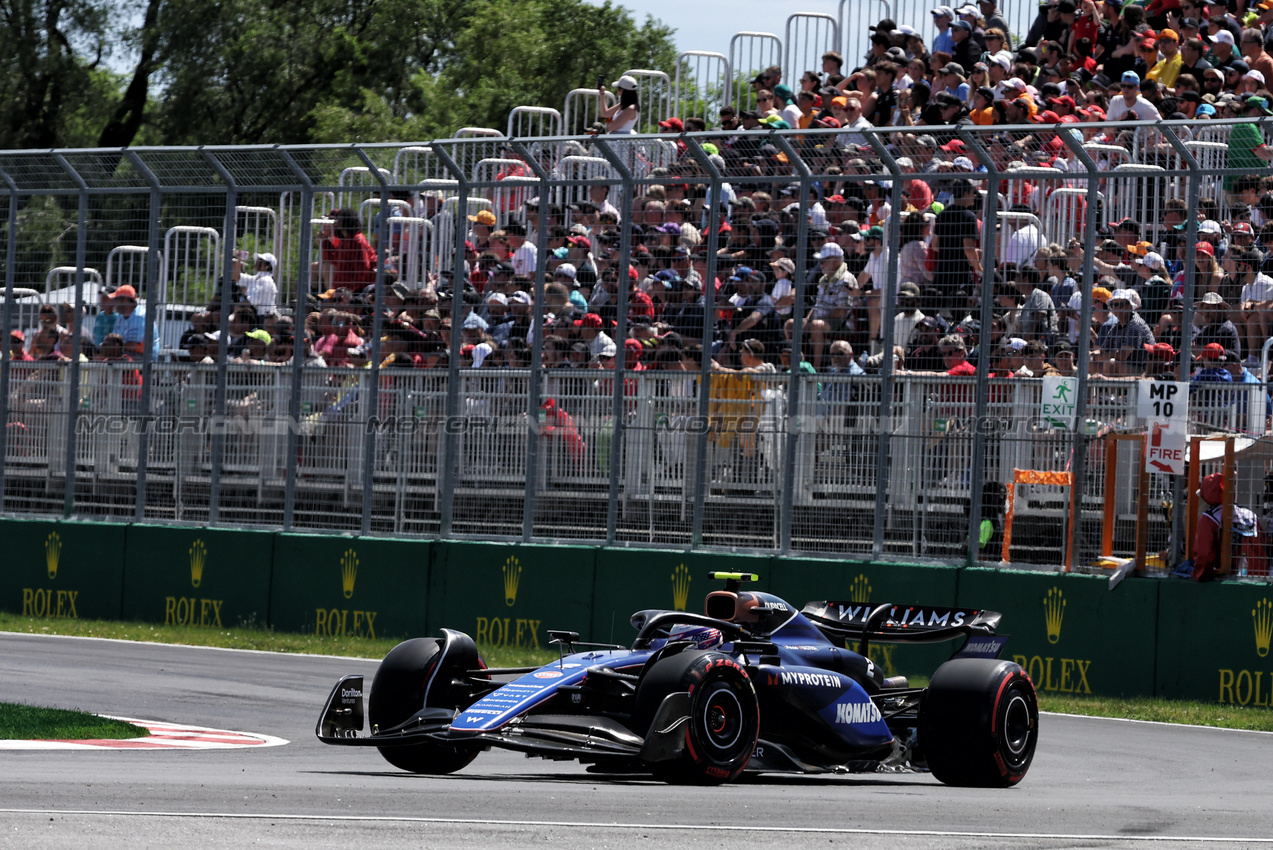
510,53
57,91
295,71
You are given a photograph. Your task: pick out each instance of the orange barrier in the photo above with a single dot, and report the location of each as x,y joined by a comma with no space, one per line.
1038,476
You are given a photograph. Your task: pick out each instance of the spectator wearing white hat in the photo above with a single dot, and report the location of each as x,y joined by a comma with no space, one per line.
836,288
623,116
1122,340
258,288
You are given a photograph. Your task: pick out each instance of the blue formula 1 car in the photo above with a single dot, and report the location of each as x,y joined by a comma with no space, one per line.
752,684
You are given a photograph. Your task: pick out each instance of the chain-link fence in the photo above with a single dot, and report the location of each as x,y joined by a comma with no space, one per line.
800,404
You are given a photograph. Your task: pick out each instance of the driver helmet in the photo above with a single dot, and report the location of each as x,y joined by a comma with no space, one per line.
703,637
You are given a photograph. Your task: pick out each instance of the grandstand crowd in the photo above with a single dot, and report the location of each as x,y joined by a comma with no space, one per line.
1079,64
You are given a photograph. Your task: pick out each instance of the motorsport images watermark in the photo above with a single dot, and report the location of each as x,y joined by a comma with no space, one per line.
237,424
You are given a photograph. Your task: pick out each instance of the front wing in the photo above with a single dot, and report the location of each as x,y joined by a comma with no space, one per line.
586,738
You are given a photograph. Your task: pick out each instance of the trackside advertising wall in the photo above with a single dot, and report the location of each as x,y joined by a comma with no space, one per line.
1071,633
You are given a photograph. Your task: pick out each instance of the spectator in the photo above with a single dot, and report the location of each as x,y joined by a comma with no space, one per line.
258,288
1122,340
1130,103
1038,313
104,323
130,322
908,314
1212,315
956,244
625,115
1205,563
954,354
1256,313
17,347
347,260
835,289
1247,150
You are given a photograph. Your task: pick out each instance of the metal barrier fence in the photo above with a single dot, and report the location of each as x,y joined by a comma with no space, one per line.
895,463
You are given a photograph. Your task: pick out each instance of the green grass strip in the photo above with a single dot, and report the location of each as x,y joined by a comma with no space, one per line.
29,722
249,637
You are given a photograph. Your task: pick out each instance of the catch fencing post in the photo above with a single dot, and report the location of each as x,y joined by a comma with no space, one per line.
530,500
694,149
446,482
153,263
1184,365
223,344
620,336
377,325
988,224
794,421
73,391
10,270
298,351
1079,460
888,310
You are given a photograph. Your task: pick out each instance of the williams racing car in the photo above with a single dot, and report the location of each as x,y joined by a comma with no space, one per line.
752,684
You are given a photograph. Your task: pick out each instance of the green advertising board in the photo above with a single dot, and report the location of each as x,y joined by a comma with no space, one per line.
1213,642
803,580
509,595
631,580
330,586
200,577
62,570
1071,633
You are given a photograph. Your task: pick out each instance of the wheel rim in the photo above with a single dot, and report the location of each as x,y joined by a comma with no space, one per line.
722,718
1017,727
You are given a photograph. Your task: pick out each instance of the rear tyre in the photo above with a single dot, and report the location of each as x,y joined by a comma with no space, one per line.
400,689
979,723
724,719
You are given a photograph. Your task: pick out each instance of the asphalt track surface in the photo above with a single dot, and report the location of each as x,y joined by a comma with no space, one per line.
1094,783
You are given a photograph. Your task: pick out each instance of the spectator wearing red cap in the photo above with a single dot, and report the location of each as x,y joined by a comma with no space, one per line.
591,333
1207,541
17,347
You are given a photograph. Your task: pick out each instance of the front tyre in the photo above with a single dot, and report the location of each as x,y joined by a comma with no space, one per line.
979,723
400,688
724,719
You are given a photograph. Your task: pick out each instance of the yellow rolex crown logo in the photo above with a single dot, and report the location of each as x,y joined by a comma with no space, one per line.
1263,617
512,577
52,552
860,590
680,587
1054,613
348,571
198,557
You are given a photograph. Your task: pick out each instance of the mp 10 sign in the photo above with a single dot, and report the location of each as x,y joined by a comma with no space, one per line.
1164,409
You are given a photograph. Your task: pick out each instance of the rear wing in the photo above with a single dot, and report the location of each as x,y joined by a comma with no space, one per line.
888,623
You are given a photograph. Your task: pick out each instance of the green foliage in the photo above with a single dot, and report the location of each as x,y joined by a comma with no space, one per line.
266,71
28,722
55,87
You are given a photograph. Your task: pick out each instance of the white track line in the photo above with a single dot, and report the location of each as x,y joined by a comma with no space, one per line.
810,830
163,736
